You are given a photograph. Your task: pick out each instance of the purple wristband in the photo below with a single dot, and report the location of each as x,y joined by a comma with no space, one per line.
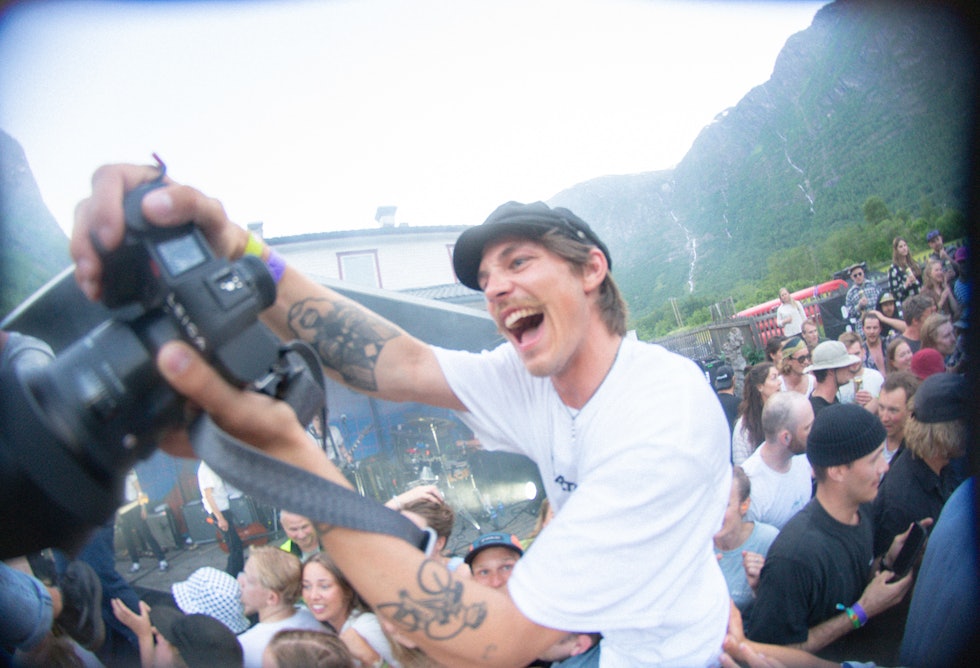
861,614
276,265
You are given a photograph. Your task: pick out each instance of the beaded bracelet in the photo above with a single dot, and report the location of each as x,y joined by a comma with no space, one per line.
274,261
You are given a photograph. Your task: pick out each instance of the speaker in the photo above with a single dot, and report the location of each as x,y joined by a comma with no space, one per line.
164,529
244,510
198,527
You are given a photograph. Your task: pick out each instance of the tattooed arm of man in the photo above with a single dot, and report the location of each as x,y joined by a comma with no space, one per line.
456,622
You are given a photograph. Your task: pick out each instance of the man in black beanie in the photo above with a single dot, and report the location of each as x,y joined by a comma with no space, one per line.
821,579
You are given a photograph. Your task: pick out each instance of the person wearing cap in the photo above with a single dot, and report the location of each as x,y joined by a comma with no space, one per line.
209,591
725,389
821,582
927,362
568,389
861,296
492,557
921,480
831,368
889,316
863,388
893,400
778,469
935,240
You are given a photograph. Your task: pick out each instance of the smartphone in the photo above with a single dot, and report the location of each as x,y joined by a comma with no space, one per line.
910,552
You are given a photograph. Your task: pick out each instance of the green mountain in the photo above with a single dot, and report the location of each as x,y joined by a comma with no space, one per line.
873,100
34,248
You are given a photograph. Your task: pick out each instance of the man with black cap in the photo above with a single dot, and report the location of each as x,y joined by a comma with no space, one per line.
569,390
492,557
831,369
725,389
921,480
820,581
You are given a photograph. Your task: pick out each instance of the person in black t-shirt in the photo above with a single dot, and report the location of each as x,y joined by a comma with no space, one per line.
820,580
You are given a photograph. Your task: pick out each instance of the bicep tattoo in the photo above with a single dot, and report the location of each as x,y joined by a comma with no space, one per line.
346,338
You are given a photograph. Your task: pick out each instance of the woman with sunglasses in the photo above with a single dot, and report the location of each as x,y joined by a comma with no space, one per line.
795,358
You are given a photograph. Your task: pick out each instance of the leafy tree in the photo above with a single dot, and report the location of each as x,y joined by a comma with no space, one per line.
875,210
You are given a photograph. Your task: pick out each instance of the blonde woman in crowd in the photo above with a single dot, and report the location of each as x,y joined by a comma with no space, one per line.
790,314
794,359
934,284
271,585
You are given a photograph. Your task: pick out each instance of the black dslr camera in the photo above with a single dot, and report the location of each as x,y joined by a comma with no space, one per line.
72,429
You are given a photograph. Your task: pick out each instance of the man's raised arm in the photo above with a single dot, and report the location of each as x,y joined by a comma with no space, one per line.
356,347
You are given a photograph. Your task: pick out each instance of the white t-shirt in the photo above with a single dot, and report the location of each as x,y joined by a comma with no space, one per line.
639,479
871,381
366,625
794,311
254,640
776,497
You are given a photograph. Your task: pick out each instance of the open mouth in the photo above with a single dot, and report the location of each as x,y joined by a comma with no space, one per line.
521,321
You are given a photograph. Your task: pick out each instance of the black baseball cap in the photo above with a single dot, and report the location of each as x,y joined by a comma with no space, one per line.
523,220
495,539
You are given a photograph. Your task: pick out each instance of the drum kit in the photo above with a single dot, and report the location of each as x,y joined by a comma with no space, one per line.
423,451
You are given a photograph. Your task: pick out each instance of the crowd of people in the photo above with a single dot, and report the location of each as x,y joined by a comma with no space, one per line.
659,544
894,385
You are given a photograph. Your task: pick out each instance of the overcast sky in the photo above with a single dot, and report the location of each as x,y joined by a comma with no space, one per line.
308,116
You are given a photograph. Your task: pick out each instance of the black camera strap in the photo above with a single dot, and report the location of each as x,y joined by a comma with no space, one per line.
282,485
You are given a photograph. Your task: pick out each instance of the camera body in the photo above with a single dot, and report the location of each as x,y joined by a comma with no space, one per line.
72,429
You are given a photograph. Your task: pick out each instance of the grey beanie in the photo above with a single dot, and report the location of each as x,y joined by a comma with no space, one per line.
843,433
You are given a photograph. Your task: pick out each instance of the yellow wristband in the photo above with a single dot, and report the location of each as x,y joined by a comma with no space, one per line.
254,246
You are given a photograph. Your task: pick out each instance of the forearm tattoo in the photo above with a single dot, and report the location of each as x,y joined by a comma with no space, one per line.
346,338
441,614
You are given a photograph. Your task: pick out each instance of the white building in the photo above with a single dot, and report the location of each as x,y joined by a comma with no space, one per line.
413,260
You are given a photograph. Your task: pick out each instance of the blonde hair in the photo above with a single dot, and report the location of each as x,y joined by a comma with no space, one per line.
928,440
930,329
278,571
319,649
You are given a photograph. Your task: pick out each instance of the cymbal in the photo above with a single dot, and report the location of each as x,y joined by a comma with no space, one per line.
426,423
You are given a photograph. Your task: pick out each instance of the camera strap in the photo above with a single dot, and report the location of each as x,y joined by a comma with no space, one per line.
282,485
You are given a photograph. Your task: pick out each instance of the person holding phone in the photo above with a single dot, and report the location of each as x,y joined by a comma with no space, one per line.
821,582
920,481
